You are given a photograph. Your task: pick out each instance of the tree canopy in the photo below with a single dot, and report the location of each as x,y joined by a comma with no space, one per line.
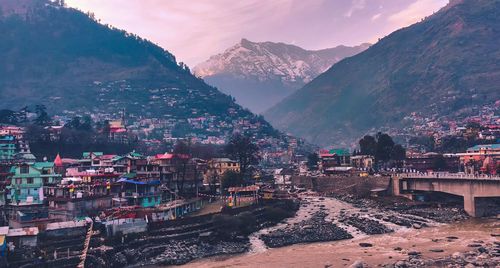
242,149
382,147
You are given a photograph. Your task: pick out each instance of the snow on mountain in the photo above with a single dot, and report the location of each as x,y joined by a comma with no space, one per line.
251,71
267,60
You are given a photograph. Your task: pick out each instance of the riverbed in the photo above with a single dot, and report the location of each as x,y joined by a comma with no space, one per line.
435,241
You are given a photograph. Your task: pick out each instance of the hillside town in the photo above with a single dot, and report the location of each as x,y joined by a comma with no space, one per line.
346,134
424,133
128,193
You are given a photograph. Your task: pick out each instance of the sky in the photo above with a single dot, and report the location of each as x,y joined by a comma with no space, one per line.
194,30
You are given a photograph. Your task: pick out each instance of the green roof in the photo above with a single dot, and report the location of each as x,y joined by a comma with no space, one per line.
486,146
87,154
340,152
9,146
117,158
42,165
131,175
134,154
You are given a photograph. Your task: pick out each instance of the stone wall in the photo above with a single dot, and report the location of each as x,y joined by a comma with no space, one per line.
343,184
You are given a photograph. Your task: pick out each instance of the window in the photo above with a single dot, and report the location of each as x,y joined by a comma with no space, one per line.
29,180
25,169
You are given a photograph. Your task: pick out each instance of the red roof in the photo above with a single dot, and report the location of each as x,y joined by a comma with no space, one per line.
171,156
163,156
58,161
107,156
117,130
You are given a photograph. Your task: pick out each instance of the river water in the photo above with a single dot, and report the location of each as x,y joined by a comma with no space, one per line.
344,253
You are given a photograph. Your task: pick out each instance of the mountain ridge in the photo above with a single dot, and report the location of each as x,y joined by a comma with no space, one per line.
437,67
259,74
66,60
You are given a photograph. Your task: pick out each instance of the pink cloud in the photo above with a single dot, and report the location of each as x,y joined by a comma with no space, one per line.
196,29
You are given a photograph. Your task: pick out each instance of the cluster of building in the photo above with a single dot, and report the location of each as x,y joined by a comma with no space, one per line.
170,114
481,124
67,189
120,191
480,159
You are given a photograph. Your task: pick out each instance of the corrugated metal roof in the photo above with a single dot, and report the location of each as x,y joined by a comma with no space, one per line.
65,224
4,230
28,231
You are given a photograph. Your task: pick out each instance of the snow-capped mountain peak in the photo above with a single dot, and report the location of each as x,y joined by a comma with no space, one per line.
259,75
270,61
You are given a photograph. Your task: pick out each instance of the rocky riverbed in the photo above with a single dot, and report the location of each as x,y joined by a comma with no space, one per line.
382,235
435,212
314,229
177,252
324,218
366,225
481,254
179,242
462,244
170,252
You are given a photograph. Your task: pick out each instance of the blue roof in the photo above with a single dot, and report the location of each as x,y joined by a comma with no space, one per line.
7,138
139,182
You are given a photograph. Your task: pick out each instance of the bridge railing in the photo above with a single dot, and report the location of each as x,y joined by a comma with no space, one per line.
445,175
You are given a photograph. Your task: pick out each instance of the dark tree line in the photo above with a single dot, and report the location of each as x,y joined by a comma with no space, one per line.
312,160
382,147
78,135
241,149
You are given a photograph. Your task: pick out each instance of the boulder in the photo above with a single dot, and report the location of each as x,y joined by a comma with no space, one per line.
358,264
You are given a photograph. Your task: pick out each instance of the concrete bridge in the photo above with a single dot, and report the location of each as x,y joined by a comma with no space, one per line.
472,188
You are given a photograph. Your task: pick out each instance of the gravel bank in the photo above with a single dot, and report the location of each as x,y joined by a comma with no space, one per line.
315,229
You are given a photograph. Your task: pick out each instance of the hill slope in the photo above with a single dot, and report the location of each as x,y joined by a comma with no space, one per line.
66,60
446,65
260,75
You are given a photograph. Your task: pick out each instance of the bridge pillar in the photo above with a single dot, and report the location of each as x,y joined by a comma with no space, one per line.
470,205
395,186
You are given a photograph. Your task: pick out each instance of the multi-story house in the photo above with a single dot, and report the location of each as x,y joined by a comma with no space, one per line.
75,198
141,192
147,168
27,191
481,159
180,171
362,161
28,181
7,148
216,167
